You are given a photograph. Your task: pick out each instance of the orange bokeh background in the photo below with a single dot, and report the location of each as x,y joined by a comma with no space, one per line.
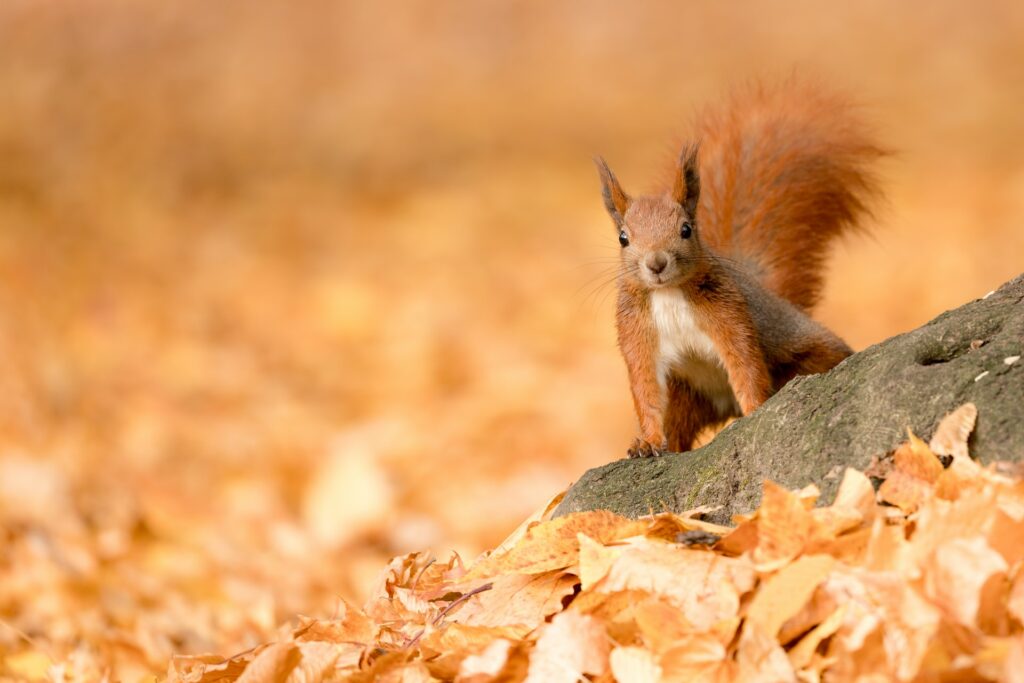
290,288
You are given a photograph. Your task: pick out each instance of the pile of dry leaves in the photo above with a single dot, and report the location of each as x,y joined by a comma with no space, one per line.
921,580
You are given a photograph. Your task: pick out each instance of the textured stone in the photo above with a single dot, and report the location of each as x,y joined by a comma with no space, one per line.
818,425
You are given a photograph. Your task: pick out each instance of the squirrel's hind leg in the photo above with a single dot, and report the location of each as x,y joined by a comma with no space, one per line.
688,412
818,355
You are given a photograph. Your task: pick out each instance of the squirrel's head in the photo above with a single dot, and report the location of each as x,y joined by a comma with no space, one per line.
658,234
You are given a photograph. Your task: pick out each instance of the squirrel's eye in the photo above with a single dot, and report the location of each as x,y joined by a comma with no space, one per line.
686,231
623,238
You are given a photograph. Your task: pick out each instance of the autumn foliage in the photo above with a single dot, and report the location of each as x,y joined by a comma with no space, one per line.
921,580
288,289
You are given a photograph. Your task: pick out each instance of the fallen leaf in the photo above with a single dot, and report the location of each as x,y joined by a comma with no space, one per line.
700,658
349,626
856,493
759,657
517,599
487,664
317,659
705,586
785,593
553,545
349,495
463,639
783,526
662,624
571,646
915,471
889,550
1013,668
887,625
595,559
541,514
954,430
197,668
634,665
27,665
801,653
273,665
1015,602
669,525
955,575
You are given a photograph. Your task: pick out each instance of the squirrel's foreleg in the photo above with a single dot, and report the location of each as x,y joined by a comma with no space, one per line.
729,324
639,343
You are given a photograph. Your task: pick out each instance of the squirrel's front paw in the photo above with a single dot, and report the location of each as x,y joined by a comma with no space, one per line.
642,448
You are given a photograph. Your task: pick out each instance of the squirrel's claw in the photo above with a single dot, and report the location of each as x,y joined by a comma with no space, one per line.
645,449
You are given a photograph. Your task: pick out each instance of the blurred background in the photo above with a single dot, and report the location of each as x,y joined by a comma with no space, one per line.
289,288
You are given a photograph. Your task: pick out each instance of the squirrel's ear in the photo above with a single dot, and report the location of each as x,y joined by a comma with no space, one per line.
686,188
615,200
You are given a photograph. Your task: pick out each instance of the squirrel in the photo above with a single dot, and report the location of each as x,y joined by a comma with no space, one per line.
718,274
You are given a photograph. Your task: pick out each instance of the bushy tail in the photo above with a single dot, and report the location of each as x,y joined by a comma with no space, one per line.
784,171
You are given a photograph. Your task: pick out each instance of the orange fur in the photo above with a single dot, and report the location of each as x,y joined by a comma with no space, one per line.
725,316
720,271
687,413
638,341
784,172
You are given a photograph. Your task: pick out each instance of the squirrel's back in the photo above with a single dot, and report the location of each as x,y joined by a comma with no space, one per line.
784,171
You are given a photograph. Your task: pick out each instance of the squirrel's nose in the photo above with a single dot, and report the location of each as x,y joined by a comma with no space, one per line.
656,262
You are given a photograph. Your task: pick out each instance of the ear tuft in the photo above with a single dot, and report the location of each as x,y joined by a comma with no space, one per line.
686,188
616,201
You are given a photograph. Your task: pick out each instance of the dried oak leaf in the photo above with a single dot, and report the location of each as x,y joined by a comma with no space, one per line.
662,625
609,607
780,529
951,435
273,665
786,592
888,549
553,545
759,657
463,639
856,493
632,664
568,648
915,471
207,668
972,514
405,587
318,659
957,572
668,525
962,475
705,586
595,559
1007,527
700,658
887,627
393,667
879,467
349,626
1013,668
541,514
784,525
523,599
802,653
487,664
1015,601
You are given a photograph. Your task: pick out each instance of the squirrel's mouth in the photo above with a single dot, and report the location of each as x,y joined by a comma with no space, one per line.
659,280
664,278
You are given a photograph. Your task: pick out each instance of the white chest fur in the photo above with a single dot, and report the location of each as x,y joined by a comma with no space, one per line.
686,351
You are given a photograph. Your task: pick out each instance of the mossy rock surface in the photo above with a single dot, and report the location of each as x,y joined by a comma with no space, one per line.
817,426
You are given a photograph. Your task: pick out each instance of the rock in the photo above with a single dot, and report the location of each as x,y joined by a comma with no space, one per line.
818,425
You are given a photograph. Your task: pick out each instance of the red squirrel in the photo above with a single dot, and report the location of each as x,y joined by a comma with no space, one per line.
718,273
